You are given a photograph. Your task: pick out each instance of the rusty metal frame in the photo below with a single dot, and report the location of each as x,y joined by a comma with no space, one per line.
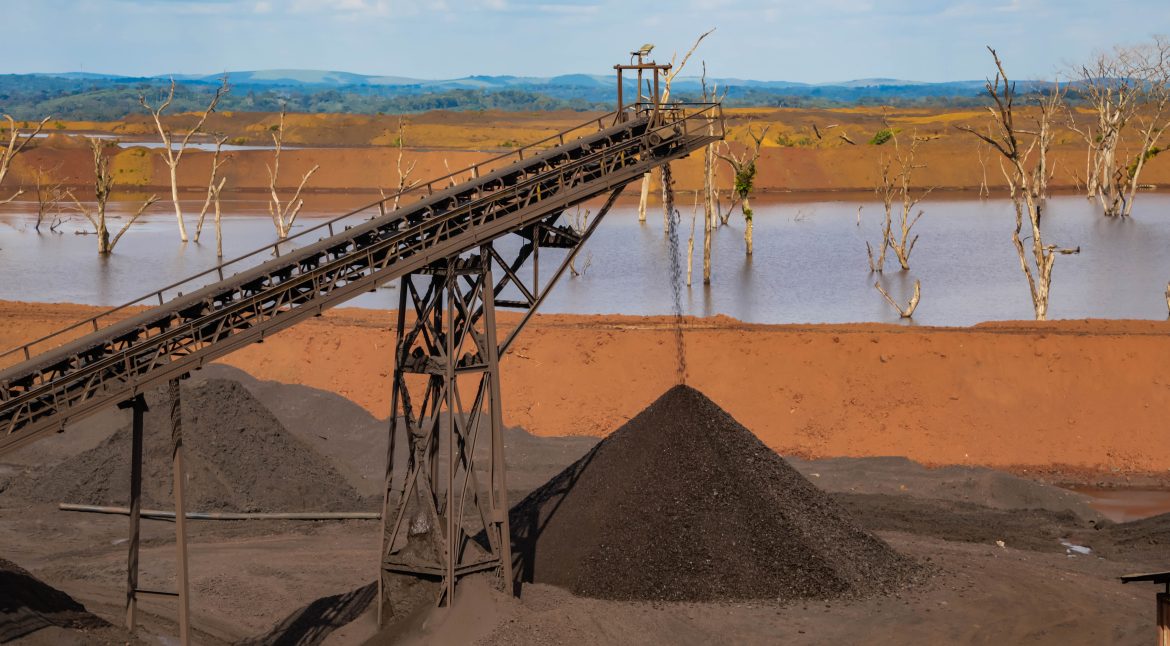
447,333
43,394
447,329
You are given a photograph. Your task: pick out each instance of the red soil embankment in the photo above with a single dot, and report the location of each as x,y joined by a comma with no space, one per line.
1088,395
949,165
804,150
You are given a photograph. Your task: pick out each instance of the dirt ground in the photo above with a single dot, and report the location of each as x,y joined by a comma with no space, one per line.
264,581
1071,400
1079,402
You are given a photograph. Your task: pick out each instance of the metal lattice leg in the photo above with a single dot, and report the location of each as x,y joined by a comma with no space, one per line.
439,523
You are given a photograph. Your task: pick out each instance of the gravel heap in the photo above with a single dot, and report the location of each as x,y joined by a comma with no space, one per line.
27,605
238,458
683,503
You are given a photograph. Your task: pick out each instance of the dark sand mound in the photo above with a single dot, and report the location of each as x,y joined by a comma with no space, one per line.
1146,540
902,477
28,605
239,458
353,440
683,503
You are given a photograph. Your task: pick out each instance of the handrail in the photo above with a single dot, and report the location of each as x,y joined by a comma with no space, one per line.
274,249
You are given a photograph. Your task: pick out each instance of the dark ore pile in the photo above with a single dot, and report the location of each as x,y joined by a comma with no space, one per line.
683,503
238,458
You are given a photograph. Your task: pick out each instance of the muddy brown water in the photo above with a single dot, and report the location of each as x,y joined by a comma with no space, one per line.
1124,505
809,264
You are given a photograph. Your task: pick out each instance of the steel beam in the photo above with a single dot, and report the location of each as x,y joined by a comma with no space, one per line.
138,408
50,390
180,476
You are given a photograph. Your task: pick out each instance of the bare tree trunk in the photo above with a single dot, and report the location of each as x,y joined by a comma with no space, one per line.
645,196
707,231
710,192
1127,88
748,216
103,182
983,190
283,215
173,156
744,167
211,189
580,224
13,148
175,201
904,312
218,229
1027,180
404,182
691,241
48,199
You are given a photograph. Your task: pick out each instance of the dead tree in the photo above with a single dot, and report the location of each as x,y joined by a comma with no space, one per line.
173,156
215,191
896,173
984,192
103,183
904,312
691,241
1129,93
14,147
667,184
580,224
743,166
404,181
1025,167
212,189
710,187
283,213
49,194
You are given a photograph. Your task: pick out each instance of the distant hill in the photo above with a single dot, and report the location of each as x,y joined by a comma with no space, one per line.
86,95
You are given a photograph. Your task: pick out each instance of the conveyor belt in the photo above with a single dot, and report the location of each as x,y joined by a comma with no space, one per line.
63,378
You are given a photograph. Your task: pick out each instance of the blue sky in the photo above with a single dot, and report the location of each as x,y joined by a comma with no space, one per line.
795,40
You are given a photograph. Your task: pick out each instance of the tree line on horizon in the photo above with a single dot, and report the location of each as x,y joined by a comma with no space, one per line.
30,96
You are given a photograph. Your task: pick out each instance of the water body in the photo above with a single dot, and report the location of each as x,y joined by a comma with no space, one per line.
1124,505
193,145
809,264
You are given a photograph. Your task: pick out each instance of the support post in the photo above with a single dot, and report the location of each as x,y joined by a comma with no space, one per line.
449,506
180,476
497,486
1164,617
391,450
137,407
620,116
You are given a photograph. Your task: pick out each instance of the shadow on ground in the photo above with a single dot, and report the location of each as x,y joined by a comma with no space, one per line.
313,623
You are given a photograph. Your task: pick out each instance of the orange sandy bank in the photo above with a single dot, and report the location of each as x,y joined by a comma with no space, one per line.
805,150
1082,394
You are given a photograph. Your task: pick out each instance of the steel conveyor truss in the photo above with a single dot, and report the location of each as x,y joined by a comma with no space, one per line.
461,246
70,374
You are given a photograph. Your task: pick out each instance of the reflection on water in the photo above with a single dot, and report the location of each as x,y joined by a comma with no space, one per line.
122,142
809,263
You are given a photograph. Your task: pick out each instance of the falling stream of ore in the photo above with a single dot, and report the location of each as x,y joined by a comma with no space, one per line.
676,271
